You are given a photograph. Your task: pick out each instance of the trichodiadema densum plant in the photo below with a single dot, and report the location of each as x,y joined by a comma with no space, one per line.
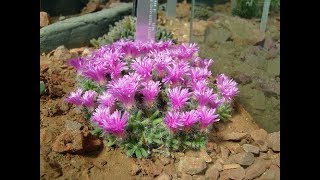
147,97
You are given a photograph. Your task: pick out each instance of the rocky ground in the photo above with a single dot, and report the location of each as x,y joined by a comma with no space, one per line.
237,149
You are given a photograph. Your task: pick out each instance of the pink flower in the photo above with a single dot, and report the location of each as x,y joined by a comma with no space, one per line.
215,101
95,72
106,99
77,63
173,120
198,74
75,97
207,116
203,96
88,98
178,97
143,67
114,123
199,85
100,115
162,61
189,118
150,91
124,89
227,87
176,73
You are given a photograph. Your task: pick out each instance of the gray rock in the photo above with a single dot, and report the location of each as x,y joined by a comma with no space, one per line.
257,168
216,36
238,173
244,158
191,165
78,31
274,141
250,148
212,173
271,88
273,67
243,79
234,136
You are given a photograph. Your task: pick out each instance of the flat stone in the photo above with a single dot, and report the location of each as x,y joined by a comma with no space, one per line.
204,155
198,177
186,176
163,176
244,158
234,136
231,166
224,152
273,173
191,165
237,173
212,173
257,168
259,135
72,125
250,148
274,141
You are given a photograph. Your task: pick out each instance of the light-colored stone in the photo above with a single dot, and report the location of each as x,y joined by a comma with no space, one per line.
224,152
245,158
212,173
274,141
198,177
72,125
218,165
257,168
185,176
273,173
44,19
62,53
231,166
234,136
204,155
250,148
191,165
238,174
163,176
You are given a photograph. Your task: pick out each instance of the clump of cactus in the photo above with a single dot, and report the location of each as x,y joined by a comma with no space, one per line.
125,29
201,12
247,8
151,96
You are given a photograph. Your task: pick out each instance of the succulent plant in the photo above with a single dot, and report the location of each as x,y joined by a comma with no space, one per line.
201,12
42,87
125,29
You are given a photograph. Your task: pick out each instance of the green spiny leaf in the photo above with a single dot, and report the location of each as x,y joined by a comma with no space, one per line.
138,153
144,152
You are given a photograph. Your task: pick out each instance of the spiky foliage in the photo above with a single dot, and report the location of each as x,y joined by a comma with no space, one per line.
201,12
